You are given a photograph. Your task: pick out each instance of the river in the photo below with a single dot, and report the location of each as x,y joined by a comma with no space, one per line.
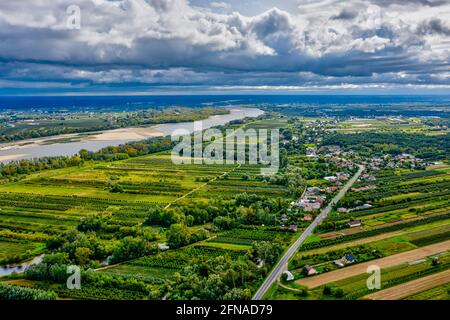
70,144
8,270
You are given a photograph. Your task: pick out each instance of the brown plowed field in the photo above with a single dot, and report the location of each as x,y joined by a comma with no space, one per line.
386,262
407,289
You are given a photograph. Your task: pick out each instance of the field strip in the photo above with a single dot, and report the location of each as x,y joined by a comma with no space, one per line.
362,241
347,272
412,287
354,243
205,184
201,187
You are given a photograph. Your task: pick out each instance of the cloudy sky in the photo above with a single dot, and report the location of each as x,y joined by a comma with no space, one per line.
228,46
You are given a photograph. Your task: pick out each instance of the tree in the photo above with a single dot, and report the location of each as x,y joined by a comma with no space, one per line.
339,293
190,220
165,218
74,161
213,288
90,223
56,258
265,251
237,294
116,188
83,255
130,248
224,223
178,235
84,154
264,217
200,235
54,243
246,215
153,216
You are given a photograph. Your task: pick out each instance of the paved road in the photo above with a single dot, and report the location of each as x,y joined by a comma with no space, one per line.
283,263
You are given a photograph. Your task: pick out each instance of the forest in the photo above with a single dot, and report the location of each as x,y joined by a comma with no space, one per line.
427,147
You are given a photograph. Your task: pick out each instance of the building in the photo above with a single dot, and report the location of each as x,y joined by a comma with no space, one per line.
290,276
331,149
163,246
367,177
318,200
293,227
311,199
354,223
339,263
311,153
342,176
310,271
345,260
284,218
310,206
365,188
313,190
310,203
349,258
363,207
308,217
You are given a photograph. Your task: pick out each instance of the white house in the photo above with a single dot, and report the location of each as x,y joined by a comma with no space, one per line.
290,276
163,246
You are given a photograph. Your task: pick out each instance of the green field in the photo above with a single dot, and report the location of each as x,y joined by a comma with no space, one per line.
51,202
438,293
152,229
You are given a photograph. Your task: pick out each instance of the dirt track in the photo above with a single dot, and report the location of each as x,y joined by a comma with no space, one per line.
407,289
393,260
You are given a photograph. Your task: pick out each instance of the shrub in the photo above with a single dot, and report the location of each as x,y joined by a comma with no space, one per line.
339,293
327,290
10,292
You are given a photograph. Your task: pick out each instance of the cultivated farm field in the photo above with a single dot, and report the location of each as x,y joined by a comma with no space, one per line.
386,262
412,287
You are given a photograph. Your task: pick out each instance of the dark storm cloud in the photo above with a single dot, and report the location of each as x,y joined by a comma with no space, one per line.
434,26
345,14
430,3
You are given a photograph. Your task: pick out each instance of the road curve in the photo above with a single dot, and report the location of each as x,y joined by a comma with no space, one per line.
283,262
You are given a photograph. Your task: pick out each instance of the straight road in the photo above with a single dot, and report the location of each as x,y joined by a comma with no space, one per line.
283,263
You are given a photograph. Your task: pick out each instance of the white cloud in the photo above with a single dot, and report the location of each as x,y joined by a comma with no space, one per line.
220,5
171,41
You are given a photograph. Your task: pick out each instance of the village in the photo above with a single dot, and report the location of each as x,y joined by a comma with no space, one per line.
314,198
